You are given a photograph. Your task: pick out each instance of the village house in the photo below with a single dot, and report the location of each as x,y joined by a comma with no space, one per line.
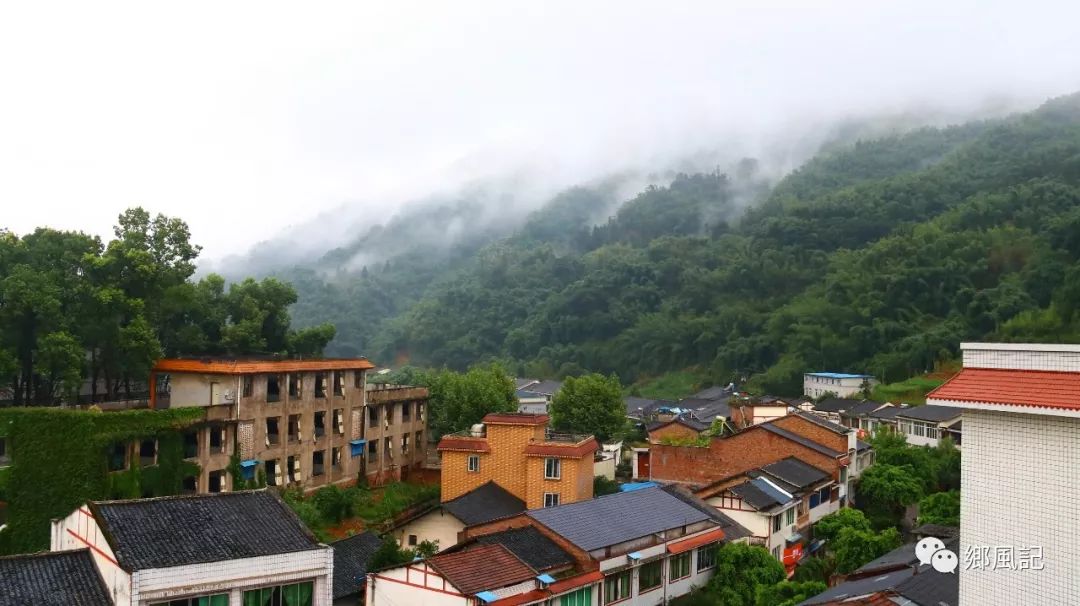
857,416
201,550
840,384
1021,415
777,503
519,453
832,409
640,548
443,523
927,425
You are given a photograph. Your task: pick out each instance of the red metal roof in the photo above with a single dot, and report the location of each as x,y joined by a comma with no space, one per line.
463,444
515,418
711,536
239,367
1036,388
481,568
556,588
564,449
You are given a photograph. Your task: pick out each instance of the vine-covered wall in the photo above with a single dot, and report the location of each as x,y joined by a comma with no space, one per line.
59,460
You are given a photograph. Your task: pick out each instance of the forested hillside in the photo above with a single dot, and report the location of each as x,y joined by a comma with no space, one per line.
877,257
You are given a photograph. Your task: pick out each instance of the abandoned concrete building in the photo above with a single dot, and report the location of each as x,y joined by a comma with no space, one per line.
291,422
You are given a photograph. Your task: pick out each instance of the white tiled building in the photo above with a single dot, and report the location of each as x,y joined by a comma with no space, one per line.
1020,472
840,384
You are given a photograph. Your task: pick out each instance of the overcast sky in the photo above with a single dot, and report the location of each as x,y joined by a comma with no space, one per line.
243,118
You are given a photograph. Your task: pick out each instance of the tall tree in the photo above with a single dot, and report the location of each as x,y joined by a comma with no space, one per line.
591,404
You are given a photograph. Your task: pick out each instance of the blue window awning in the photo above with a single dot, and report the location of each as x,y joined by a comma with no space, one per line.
546,579
247,469
487,596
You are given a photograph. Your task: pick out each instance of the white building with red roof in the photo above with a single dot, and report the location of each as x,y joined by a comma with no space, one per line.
1020,501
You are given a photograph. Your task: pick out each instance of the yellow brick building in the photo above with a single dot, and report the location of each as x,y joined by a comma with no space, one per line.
518,452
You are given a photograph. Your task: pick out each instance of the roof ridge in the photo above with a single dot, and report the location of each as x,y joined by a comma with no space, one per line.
180,497
44,554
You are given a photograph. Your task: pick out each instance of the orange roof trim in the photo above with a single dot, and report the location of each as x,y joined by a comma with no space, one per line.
459,443
1034,388
555,449
515,418
241,367
712,536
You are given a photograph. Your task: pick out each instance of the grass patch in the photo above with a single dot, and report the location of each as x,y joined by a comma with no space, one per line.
669,386
357,507
912,391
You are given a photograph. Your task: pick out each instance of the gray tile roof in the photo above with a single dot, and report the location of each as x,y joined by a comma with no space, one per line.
799,439
716,392
484,504
546,387
732,529
795,472
62,578
707,410
835,404
888,413
930,412
931,588
351,558
861,587
619,517
176,531
862,409
531,546
822,422
759,495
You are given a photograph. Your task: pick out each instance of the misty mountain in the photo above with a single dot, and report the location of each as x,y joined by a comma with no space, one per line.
879,256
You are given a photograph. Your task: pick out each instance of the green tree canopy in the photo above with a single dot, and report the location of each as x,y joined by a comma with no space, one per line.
788,593
458,400
940,508
591,404
740,571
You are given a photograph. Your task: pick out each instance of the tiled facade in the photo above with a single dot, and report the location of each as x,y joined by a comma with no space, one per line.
514,451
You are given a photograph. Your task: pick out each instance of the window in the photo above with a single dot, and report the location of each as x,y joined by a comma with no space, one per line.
617,587
295,594
789,516
815,500
419,411
339,383
474,463
405,444
843,474
335,457
118,457
823,495
273,473
373,415
388,448
320,424
650,576
389,414
419,440
320,385
776,553
218,599
339,421
412,540
551,499
273,435
189,485
679,566
295,384
217,481
406,412
706,557
318,462
248,386
552,469
932,431
373,449
294,469
581,597
358,379
191,445
217,439
918,429
294,428
147,453
776,522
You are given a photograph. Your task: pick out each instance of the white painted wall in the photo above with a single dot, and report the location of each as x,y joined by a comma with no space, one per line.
187,389
606,467
80,530
815,386
436,525
412,584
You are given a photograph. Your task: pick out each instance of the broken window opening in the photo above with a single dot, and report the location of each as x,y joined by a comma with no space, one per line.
273,388
373,415
294,469
405,444
273,435
339,383
335,457
295,385
339,421
318,459
118,457
217,440
406,412
217,481
320,424
294,428
358,379
190,485
388,448
373,449
273,473
147,453
191,445
249,386
320,385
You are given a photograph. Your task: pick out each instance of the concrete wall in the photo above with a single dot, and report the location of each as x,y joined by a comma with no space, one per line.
387,404
436,525
605,467
814,386
197,390
1019,473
